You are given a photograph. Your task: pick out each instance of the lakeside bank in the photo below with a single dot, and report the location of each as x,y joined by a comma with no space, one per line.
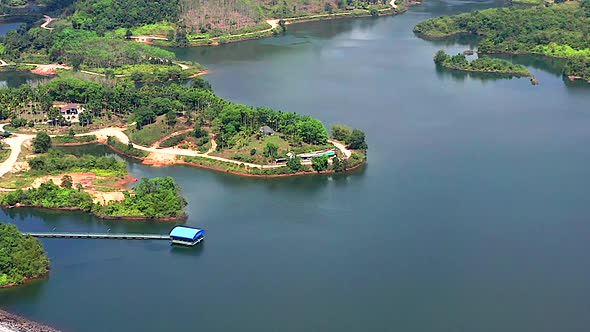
13,323
278,26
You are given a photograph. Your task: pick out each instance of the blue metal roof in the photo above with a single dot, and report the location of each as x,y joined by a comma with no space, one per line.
186,232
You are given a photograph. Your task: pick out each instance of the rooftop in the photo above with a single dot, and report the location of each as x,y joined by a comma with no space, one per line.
186,232
70,106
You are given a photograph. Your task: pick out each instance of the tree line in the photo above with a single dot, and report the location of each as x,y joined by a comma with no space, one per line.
144,103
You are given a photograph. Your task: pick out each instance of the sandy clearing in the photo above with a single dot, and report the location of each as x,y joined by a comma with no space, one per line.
86,179
50,69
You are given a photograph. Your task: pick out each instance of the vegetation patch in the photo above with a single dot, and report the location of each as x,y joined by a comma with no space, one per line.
173,141
4,152
156,198
71,139
21,257
126,149
484,64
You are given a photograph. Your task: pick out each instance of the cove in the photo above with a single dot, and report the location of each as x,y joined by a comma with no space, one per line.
470,215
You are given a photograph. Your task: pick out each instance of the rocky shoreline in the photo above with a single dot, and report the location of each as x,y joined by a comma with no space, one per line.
14,323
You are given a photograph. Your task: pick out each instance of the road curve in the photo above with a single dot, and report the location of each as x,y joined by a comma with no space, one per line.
15,142
48,19
123,138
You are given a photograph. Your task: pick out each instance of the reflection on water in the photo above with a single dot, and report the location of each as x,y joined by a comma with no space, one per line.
14,79
459,75
462,39
547,64
29,293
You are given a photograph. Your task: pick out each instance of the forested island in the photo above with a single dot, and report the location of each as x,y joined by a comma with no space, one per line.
22,257
554,30
481,65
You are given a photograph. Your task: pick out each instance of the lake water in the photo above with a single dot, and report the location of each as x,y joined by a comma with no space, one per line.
471,215
5,27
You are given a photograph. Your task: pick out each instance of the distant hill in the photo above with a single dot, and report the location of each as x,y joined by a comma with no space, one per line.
237,14
200,16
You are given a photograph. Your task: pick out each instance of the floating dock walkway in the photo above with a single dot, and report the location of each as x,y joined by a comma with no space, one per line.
183,235
100,236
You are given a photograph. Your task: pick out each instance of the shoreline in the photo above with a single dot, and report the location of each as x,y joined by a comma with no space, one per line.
27,281
129,218
517,74
252,175
295,20
14,323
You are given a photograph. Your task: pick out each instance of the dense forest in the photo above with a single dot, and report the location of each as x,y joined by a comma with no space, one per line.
21,256
198,104
560,30
483,64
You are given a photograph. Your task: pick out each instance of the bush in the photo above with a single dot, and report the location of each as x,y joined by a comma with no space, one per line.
41,143
18,122
357,140
294,164
341,132
320,163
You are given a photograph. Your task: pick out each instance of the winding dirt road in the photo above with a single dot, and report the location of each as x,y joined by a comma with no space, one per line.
15,142
48,19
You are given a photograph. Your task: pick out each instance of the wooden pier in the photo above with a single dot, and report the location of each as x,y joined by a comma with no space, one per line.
113,236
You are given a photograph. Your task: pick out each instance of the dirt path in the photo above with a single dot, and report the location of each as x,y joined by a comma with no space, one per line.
15,142
346,152
48,20
122,137
213,145
182,65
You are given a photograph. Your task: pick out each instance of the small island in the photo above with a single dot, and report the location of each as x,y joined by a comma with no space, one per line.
557,30
22,257
484,64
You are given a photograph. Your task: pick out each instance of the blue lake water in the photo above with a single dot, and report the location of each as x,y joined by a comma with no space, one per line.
471,215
